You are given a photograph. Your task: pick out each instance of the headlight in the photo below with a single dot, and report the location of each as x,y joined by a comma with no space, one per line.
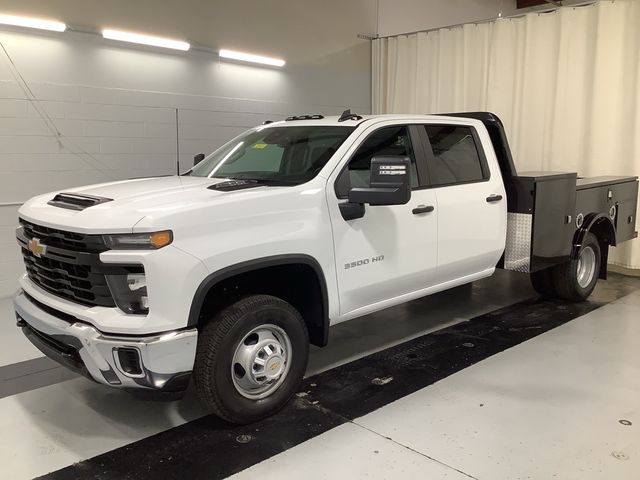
139,241
130,292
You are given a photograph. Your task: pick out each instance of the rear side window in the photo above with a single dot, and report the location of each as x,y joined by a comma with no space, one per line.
455,155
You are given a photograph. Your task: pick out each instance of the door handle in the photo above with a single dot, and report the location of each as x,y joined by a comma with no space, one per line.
494,198
422,209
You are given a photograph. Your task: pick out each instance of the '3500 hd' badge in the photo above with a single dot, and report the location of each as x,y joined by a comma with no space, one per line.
364,261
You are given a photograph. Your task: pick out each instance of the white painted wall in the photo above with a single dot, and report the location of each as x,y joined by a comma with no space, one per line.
116,107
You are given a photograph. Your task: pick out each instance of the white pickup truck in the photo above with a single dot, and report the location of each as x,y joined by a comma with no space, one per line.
228,272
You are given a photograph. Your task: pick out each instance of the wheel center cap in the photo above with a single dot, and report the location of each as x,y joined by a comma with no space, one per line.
274,366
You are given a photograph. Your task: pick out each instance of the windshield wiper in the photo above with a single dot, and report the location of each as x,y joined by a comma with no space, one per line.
272,182
275,183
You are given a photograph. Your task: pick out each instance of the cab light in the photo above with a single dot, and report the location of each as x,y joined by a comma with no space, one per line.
139,241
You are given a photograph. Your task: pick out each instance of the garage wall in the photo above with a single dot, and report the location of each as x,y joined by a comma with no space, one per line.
124,111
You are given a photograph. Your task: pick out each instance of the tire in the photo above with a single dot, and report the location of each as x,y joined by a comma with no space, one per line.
542,282
256,333
576,279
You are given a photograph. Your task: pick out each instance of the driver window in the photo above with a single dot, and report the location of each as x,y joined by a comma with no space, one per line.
389,141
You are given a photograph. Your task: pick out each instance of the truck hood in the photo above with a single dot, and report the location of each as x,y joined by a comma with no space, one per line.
130,190
129,202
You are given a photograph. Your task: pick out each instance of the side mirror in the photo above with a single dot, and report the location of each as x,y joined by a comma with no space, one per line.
390,183
198,158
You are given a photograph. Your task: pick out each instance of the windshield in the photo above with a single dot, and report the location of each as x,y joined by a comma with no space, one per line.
281,155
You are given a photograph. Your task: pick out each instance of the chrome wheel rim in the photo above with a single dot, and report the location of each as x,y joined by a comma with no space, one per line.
586,267
261,362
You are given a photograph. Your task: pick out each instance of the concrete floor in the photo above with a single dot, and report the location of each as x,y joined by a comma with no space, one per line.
14,347
547,408
556,406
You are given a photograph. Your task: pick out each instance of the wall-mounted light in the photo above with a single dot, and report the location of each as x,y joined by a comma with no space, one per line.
145,39
248,57
28,22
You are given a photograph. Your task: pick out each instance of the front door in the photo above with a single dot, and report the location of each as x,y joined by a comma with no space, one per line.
392,250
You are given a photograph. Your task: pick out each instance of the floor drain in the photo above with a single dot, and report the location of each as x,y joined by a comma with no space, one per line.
244,438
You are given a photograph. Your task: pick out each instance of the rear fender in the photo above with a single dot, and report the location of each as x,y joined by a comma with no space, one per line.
604,230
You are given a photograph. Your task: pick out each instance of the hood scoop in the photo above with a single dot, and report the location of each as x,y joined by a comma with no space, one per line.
232,185
76,201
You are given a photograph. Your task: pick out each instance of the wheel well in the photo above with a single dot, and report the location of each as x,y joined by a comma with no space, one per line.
605,232
603,229
298,284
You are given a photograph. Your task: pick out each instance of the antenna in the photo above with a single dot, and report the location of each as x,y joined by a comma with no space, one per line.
347,115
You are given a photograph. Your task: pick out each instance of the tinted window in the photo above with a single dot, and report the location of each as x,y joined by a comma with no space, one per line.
455,155
388,141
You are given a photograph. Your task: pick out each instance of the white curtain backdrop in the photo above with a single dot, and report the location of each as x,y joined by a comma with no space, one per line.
566,84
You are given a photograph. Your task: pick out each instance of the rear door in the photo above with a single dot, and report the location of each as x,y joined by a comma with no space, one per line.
392,250
472,204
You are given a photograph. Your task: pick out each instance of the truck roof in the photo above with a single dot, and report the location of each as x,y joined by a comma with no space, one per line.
335,119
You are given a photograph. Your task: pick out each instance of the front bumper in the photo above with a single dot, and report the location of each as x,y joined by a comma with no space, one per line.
164,361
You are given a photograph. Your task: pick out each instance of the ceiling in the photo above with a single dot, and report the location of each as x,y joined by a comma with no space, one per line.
305,32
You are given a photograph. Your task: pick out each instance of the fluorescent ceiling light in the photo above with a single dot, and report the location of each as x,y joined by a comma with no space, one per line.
145,39
248,57
32,23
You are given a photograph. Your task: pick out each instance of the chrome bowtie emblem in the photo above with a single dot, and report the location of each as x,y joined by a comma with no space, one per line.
36,247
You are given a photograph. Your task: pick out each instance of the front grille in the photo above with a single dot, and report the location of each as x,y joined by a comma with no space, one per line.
73,282
77,242
70,268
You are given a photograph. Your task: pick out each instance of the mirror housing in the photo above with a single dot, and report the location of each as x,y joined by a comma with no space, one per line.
390,183
198,158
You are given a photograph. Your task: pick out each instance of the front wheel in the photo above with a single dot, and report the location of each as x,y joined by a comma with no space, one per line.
576,279
250,359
